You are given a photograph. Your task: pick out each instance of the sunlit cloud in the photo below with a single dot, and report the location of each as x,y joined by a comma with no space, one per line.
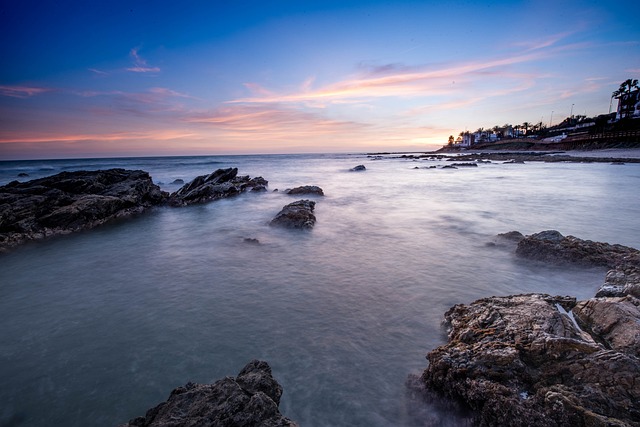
273,122
391,81
140,64
22,91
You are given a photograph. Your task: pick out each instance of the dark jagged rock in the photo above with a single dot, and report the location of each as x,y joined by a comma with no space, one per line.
250,399
358,168
306,189
551,246
217,185
72,201
521,361
296,215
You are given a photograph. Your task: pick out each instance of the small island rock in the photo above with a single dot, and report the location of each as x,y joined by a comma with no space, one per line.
306,189
217,185
296,215
358,168
250,399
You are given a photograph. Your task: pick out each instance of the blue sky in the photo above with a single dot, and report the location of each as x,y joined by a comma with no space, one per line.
129,78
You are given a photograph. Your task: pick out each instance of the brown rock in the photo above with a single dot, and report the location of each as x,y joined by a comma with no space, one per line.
521,361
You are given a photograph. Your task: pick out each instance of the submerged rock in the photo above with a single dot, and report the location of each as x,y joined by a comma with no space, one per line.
296,215
521,361
250,399
72,201
306,189
217,185
358,168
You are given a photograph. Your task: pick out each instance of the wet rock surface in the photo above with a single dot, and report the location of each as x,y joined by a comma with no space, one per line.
250,399
217,185
72,201
521,361
358,168
298,214
546,360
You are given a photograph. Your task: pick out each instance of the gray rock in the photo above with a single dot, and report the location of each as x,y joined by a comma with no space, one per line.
306,189
72,201
296,215
358,168
217,185
178,181
250,399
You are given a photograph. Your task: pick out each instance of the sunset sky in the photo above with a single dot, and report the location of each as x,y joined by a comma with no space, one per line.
131,78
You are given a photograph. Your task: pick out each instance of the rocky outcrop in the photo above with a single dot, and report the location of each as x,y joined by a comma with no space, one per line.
296,215
250,399
217,185
72,201
551,246
358,168
306,189
522,361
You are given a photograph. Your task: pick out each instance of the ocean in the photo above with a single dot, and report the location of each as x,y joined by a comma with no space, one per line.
97,327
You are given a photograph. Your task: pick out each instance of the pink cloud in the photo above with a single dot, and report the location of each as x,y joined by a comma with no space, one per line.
22,91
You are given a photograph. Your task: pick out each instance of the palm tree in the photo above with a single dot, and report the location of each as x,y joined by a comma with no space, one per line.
623,95
526,125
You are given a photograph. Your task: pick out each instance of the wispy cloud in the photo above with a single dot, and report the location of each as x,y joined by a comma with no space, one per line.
391,81
22,91
272,122
140,64
98,72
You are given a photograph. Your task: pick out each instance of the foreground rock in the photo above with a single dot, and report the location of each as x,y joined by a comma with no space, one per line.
217,185
296,215
250,399
358,168
72,201
306,189
521,361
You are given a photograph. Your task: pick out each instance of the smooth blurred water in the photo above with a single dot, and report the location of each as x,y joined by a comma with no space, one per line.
99,326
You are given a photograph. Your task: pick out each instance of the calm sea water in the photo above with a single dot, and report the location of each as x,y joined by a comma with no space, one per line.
99,326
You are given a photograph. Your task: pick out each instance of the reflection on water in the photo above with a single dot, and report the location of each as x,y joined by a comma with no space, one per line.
99,326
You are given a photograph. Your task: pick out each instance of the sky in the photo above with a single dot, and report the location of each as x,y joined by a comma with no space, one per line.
154,78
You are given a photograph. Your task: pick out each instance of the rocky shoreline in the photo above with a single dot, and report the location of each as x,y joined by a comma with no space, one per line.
74,201
542,360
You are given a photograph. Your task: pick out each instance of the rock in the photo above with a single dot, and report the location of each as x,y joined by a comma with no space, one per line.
465,164
551,246
449,167
621,281
514,162
252,240
250,399
72,201
23,175
178,181
217,185
521,361
306,189
358,168
615,321
296,215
